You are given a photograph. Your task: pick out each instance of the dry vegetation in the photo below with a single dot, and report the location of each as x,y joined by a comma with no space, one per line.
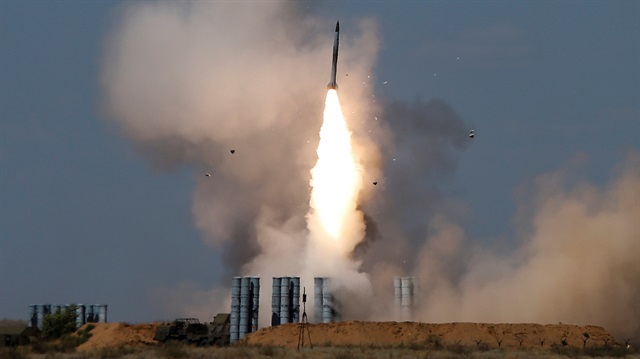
437,336
339,352
357,340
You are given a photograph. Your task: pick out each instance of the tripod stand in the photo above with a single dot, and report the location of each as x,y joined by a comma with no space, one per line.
303,325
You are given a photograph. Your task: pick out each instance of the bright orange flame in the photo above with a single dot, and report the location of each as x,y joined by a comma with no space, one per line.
336,178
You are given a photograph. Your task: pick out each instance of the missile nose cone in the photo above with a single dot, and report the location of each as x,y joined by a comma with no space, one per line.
337,26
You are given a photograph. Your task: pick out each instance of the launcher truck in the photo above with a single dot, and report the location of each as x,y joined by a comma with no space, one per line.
191,331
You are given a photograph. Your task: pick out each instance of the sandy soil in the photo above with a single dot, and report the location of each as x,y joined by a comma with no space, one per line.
379,334
119,334
469,334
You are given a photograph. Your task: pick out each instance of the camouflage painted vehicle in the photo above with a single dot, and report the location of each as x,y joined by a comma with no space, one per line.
191,331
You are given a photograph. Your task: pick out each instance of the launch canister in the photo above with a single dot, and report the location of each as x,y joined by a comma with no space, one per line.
334,62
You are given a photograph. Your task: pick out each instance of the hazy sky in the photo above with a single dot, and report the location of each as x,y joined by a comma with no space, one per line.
85,218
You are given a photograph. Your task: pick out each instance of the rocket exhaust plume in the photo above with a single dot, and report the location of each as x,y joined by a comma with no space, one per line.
335,224
336,178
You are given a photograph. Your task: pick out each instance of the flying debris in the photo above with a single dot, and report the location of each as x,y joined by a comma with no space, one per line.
232,151
471,134
207,174
334,62
375,183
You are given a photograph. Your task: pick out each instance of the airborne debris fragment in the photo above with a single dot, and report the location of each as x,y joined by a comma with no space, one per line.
375,183
232,151
471,134
207,174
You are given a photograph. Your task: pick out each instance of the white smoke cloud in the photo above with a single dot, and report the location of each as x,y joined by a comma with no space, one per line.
189,81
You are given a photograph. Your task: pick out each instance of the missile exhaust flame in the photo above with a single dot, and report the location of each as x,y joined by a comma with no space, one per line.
335,224
336,180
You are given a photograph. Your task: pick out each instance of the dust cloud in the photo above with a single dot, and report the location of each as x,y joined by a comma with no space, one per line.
578,259
578,263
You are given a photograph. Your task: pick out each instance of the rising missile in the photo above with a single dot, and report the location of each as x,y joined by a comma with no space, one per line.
334,62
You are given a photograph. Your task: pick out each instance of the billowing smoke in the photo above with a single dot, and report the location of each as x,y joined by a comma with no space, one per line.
418,160
578,252
578,259
578,262
190,81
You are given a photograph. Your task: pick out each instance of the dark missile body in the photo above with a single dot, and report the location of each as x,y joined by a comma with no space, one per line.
334,62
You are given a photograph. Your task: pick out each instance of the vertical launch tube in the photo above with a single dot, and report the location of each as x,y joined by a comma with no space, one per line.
295,303
255,303
284,300
245,301
317,298
275,302
234,320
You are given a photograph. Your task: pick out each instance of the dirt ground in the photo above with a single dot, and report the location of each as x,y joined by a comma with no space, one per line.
468,334
379,334
119,334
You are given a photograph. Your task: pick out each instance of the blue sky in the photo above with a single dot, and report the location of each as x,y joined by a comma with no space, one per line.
84,217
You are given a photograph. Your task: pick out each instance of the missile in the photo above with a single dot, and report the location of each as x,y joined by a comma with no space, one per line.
334,62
